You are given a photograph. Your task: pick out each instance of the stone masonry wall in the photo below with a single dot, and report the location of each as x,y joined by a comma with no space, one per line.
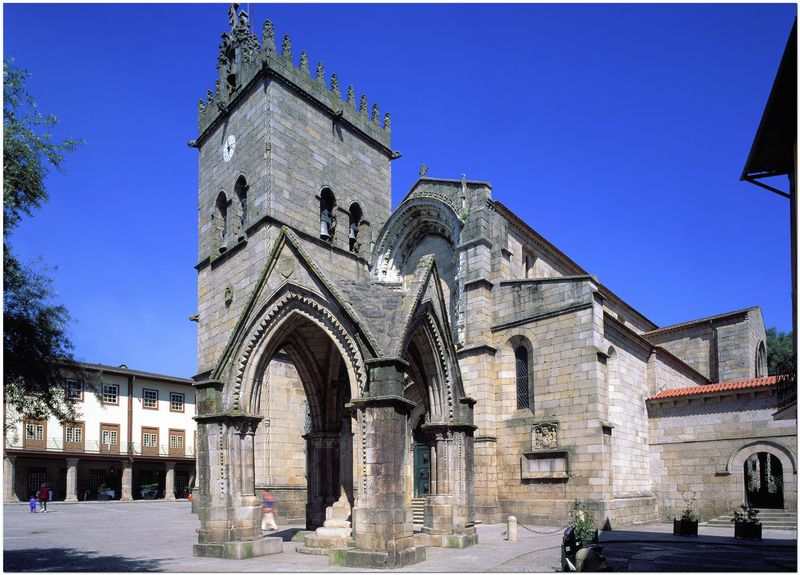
280,450
565,391
693,345
627,391
692,441
308,150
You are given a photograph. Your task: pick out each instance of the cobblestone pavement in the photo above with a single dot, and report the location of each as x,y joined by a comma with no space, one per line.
158,536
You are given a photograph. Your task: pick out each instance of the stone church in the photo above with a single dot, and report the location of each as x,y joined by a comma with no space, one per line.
442,355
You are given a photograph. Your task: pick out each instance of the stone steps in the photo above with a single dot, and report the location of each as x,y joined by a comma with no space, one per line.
770,519
418,509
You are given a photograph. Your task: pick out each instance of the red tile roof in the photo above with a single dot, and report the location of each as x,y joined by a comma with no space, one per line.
717,387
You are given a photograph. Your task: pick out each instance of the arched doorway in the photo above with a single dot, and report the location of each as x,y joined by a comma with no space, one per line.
304,449
763,481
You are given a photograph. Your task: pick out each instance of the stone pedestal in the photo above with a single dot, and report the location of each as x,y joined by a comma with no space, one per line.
72,480
169,481
9,478
127,481
334,533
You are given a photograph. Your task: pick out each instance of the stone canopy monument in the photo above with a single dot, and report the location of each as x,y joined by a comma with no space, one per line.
442,357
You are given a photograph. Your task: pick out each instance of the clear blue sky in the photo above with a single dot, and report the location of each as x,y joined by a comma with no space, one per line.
618,132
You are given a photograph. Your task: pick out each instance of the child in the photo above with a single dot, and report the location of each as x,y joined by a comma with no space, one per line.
33,503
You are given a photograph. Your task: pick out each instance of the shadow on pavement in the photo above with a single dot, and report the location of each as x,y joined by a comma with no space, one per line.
285,534
60,559
663,552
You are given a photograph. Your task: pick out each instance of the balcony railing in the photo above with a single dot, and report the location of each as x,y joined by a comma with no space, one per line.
787,390
56,444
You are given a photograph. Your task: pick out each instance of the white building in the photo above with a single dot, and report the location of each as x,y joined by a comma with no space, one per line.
134,438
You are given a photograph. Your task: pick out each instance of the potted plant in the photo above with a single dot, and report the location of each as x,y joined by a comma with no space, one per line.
686,526
583,517
746,524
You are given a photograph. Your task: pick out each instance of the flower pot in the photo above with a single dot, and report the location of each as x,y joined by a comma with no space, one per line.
747,531
684,527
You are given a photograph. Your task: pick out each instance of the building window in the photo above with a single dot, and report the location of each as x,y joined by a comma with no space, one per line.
528,260
74,390
36,433
219,220
761,360
355,222
241,196
73,432
327,219
109,438
523,386
176,401
150,398
177,440
149,441
111,393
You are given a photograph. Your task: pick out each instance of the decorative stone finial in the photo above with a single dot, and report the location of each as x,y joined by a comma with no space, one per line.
376,115
304,62
233,18
335,86
423,170
286,47
201,105
320,72
351,96
268,36
209,97
387,121
362,105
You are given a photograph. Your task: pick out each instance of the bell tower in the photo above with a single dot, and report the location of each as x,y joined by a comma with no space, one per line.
280,146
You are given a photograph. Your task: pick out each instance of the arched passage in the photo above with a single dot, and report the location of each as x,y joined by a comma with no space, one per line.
440,432
297,377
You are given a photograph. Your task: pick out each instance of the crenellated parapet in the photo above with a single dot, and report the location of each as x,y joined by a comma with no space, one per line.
243,60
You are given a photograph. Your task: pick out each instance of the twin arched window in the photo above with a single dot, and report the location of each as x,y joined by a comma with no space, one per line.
224,226
327,219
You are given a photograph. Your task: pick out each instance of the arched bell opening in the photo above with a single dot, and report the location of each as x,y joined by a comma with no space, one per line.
304,446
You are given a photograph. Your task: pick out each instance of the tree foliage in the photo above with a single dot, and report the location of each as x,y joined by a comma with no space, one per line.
781,358
37,350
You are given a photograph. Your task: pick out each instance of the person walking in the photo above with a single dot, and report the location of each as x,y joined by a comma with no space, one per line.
33,502
268,512
44,495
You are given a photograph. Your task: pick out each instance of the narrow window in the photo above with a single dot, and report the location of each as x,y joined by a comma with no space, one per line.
327,220
241,196
355,222
220,222
523,388
761,360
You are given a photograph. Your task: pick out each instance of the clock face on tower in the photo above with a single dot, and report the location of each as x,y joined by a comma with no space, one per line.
229,147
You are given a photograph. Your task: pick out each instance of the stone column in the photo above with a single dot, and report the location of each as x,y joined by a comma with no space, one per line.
169,481
323,479
227,506
127,481
72,480
383,522
450,512
9,478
